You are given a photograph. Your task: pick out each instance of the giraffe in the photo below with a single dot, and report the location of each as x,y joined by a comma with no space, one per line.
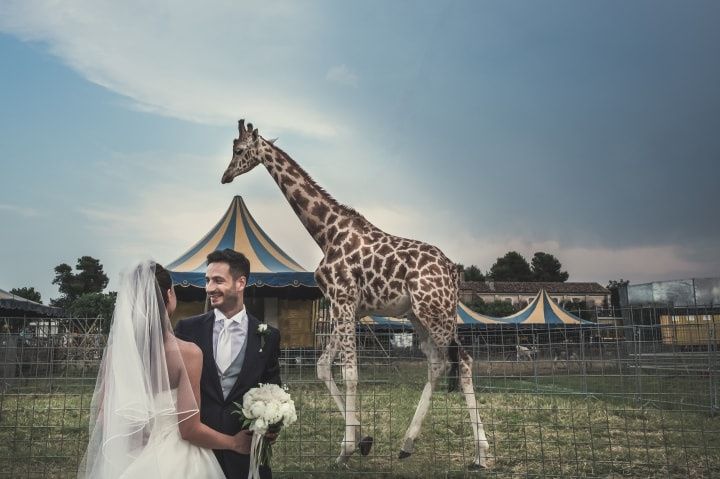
367,271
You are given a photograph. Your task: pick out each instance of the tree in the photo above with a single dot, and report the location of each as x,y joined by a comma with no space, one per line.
496,309
90,279
511,267
27,293
578,307
614,287
546,267
94,305
473,273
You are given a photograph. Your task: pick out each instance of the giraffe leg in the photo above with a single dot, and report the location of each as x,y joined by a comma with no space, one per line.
437,366
468,390
352,423
342,340
324,371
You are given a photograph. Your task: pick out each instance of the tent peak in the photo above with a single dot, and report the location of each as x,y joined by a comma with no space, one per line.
238,230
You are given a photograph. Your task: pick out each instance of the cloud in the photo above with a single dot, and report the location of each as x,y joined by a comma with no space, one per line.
19,210
217,61
342,75
233,64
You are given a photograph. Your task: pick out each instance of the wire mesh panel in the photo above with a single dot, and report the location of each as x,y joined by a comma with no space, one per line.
630,399
48,375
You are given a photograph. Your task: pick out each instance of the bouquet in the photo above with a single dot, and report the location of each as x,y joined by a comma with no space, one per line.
267,407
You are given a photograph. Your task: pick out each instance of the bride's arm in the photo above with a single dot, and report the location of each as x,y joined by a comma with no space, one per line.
194,431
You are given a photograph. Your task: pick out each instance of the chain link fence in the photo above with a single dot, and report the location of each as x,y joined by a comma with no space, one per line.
634,395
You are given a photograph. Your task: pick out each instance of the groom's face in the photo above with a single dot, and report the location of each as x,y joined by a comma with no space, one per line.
225,292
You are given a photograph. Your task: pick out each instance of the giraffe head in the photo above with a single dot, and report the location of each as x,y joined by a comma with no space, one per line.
246,152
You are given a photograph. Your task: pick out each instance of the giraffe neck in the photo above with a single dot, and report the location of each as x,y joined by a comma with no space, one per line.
319,212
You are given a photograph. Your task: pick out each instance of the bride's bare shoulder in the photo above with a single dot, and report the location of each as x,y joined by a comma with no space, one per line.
189,350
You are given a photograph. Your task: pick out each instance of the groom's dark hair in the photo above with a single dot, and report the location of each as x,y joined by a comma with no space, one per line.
239,264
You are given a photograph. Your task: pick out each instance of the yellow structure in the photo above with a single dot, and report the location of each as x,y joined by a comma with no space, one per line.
690,329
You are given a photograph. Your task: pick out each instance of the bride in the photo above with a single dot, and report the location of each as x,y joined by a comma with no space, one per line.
144,420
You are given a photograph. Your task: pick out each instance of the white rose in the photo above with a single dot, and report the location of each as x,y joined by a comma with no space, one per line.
257,409
273,414
259,425
292,419
262,327
287,411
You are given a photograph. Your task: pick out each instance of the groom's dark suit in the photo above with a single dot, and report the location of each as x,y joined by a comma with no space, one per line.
257,367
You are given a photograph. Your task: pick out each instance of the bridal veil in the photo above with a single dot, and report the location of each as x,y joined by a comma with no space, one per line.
142,388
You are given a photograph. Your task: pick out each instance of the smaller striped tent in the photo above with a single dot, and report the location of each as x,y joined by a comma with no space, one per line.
238,230
542,310
465,317
468,318
386,323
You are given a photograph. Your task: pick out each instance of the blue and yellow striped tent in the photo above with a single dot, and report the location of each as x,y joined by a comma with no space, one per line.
465,317
238,230
542,310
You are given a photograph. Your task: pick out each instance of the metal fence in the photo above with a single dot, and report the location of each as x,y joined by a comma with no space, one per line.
635,396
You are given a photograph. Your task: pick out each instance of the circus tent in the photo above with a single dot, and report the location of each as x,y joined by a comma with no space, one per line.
464,317
279,290
238,230
542,310
14,305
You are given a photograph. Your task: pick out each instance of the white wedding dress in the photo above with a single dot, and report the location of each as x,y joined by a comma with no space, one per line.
136,407
168,456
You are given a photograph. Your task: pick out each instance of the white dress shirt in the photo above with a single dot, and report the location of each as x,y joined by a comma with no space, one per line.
238,331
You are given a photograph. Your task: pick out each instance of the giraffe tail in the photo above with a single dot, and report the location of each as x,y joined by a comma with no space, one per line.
453,353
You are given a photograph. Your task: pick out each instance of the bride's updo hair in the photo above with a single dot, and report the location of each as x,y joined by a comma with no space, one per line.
164,281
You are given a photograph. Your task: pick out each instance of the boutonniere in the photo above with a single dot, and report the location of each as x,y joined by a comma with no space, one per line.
262,331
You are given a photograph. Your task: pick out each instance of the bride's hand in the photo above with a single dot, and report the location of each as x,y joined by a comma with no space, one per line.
241,442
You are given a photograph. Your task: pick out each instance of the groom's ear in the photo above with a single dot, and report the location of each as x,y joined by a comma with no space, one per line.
242,282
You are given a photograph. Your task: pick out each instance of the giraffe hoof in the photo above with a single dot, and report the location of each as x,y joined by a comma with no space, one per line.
365,445
342,462
403,454
476,467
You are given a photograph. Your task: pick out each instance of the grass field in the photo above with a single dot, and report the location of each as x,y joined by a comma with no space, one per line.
563,425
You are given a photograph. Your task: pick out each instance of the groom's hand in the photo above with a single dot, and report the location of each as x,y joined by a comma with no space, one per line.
272,433
271,437
242,441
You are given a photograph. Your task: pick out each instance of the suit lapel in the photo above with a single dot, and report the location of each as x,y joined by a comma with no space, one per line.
209,367
252,351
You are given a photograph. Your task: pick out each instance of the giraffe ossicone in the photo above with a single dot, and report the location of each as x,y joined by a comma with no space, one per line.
367,271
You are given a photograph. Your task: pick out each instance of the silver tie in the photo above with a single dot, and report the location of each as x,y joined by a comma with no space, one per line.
224,347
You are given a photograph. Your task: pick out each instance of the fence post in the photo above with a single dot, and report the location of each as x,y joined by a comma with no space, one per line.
712,363
637,348
536,347
582,361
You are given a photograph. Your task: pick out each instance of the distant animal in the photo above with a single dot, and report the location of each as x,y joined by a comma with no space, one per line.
524,353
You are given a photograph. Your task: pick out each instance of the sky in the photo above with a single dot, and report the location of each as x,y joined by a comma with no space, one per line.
588,130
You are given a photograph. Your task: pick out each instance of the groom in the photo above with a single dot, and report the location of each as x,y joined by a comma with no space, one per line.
234,356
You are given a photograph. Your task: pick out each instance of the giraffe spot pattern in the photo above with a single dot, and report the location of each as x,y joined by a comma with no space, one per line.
320,210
